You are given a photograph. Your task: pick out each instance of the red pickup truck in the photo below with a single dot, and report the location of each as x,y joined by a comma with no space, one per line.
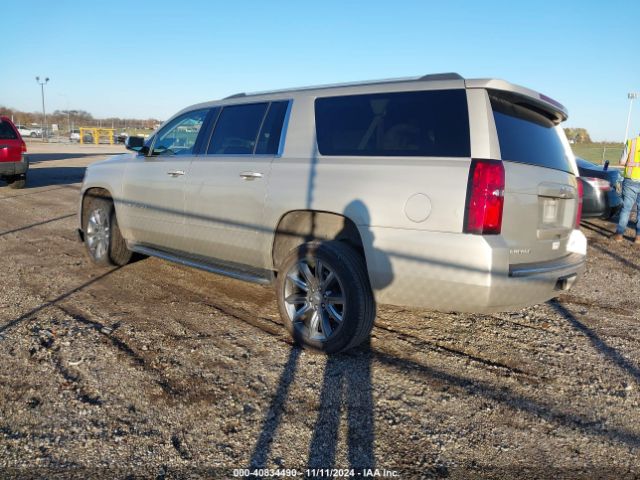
13,155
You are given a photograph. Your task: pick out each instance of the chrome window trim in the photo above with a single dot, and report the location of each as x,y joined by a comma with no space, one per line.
285,127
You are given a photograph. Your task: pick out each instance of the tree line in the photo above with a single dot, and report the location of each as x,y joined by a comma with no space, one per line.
578,135
68,119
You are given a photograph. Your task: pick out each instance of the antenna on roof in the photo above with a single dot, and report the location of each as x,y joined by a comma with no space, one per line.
235,95
442,76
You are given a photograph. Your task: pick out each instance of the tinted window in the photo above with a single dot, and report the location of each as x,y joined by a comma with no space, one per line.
237,129
269,138
527,136
179,136
427,123
7,132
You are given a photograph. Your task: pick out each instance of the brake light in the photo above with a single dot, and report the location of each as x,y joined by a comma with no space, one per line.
23,146
580,199
485,197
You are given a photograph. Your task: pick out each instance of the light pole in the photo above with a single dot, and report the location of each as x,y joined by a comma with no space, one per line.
631,96
44,114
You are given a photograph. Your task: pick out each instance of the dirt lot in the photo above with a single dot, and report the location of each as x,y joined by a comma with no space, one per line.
159,371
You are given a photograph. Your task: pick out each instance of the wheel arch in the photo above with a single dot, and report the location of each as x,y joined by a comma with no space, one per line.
301,226
88,194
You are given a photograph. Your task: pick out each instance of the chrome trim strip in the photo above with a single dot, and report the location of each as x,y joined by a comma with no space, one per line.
570,262
283,132
201,266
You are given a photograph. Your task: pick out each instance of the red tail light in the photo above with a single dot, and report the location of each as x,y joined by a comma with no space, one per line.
23,146
485,197
580,201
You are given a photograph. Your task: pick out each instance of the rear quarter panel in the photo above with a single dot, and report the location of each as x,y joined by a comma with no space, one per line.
372,191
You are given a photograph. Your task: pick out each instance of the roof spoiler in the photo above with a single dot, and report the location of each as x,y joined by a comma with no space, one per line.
553,109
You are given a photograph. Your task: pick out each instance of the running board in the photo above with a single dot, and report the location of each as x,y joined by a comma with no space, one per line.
208,267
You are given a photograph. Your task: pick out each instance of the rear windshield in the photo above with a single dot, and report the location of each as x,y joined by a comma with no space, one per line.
7,132
527,136
424,123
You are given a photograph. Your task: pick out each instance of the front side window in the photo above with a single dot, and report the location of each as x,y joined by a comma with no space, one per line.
425,123
180,135
237,129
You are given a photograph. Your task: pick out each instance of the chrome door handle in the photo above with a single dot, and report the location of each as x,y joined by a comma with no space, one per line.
250,175
175,173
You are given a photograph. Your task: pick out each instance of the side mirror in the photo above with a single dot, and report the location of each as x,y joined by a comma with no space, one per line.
135,143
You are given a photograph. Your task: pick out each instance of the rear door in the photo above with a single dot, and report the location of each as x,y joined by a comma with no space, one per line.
541,197
225,192
10,143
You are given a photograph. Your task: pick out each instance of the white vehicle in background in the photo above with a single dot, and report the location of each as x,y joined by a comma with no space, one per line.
74,136
29,132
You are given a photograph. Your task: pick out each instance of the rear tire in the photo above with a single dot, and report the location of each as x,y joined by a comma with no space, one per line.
324,296
103,240
17,182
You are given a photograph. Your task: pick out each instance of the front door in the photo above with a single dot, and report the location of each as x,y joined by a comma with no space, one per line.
153,185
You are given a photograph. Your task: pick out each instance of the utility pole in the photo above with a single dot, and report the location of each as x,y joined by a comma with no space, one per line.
631,96
44,113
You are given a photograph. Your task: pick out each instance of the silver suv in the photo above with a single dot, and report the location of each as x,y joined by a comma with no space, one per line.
435,192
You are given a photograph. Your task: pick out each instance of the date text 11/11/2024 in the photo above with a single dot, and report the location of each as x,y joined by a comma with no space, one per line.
317,473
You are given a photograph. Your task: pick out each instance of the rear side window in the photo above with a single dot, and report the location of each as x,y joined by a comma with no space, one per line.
527,136
7,132
269,139
425,124
237,129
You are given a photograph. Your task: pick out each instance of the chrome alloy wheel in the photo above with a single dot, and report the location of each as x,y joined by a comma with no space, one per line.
98,233
314,299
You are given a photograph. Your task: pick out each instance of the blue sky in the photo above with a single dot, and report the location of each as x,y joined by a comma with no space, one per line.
151,58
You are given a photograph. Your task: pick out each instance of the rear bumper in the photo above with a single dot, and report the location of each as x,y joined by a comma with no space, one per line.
8,169
567,264
464,273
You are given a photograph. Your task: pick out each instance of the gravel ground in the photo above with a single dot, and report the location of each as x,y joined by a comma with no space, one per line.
159,371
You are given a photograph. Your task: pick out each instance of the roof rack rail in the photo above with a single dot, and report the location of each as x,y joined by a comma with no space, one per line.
236,95
442,76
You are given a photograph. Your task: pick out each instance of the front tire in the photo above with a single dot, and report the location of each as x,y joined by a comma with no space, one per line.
103,240
324,296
